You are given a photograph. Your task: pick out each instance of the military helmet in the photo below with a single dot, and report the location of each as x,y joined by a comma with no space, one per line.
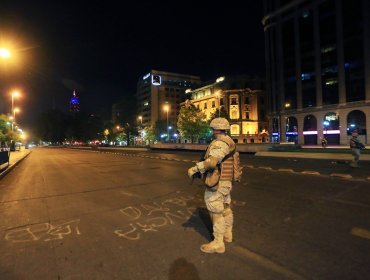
220,123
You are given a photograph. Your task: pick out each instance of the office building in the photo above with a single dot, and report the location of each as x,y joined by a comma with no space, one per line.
157,89
317,69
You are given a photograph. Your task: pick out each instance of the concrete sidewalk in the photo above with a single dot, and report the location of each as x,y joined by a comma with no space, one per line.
333,156
15,158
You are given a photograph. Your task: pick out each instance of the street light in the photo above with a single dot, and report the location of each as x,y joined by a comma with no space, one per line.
15,110
167,108
14,94
140,118
4,53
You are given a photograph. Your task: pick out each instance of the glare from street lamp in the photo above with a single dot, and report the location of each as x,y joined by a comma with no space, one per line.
15,93
166,108
16,110
4,53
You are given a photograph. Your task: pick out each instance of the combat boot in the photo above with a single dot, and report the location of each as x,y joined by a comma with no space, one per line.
215,246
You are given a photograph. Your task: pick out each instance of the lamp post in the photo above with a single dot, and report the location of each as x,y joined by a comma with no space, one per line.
166,108
14,94
218,102
15,110
325,139
140,128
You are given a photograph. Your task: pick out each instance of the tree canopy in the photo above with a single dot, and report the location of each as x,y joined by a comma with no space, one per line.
192,123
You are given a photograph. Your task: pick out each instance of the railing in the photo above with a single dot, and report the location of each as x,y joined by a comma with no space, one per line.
4,158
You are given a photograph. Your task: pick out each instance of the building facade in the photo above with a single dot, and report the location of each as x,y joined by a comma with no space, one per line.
160,93
245,107
317,69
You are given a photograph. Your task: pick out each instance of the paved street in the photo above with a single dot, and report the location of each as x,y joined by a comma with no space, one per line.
74,214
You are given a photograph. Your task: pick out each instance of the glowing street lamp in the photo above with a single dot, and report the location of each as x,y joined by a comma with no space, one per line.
4,53
167,108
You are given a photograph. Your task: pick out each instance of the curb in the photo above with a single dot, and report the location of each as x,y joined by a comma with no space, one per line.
268,168
10,167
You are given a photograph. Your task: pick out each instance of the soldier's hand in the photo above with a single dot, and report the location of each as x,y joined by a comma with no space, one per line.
192,171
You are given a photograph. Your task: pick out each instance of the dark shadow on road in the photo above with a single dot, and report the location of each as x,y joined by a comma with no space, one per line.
197,224
181,269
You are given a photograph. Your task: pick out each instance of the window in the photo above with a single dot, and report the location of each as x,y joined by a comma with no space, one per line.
233,101
205,105
213,104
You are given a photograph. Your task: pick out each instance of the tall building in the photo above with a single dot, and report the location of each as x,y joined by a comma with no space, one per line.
74,103
318,69
157,89
243,99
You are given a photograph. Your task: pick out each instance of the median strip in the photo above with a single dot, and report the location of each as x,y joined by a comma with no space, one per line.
341,175
361,232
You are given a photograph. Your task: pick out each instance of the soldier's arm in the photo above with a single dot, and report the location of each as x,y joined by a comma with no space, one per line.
217,152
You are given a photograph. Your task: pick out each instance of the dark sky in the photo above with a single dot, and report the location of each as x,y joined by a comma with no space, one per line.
102,48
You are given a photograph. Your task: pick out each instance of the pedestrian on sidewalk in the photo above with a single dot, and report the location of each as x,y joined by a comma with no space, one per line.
356,147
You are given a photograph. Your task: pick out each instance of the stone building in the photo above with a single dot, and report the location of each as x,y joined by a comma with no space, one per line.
245,107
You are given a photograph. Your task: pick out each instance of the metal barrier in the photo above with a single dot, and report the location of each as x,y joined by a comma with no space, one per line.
4,159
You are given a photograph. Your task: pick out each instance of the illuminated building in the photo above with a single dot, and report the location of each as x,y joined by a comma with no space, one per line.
74,103
157,88
318,69
244,106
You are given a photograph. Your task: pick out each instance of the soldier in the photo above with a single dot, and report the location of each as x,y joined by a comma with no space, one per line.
217,193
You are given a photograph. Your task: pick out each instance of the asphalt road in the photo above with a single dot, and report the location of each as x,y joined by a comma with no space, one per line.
71,214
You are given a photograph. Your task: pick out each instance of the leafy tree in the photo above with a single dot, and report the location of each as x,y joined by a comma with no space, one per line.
6,133
192,122
149,134
220,112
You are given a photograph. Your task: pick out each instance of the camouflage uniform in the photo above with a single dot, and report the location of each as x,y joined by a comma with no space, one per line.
217,198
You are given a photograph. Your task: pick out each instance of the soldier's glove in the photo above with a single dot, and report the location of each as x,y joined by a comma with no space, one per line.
192,171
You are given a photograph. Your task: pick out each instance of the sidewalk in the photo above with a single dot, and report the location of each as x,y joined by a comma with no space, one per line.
15,158
334,156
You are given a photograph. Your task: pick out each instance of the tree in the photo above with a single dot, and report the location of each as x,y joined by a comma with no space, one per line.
6,133
149,134
220,112
192,122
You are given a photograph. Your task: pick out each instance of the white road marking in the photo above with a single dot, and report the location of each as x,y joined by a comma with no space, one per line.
310,172
286,170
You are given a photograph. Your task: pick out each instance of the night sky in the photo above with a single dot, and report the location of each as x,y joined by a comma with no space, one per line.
101,48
